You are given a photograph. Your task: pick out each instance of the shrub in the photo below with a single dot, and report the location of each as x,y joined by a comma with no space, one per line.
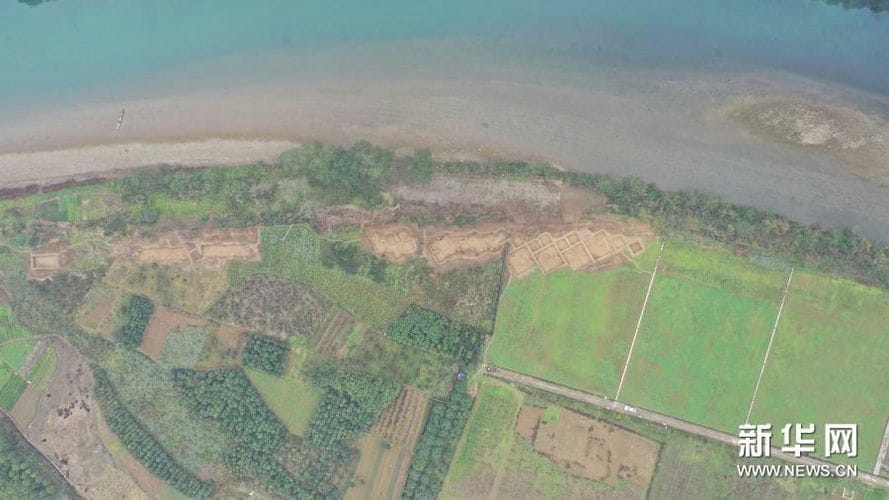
266,353
138,312
427,330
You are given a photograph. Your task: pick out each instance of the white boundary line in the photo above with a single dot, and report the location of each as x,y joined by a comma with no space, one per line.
765,360
639,323
884,448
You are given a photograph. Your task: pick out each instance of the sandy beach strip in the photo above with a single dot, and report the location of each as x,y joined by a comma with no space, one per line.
49,167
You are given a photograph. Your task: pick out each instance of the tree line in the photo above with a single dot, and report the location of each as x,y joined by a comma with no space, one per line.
137,312
142,444
437,445
419,327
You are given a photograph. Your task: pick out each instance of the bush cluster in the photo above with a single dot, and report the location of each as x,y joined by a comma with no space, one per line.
138,312
266,353
437,445
428,330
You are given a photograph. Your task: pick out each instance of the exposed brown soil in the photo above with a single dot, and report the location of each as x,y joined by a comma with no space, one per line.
222,348
528,422
46,261
334,333
98,313
387,452
394,242
589,448
190,249
162,322
66,430
401,423
588,245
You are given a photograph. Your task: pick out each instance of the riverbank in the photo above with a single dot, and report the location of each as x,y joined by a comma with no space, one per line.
671,125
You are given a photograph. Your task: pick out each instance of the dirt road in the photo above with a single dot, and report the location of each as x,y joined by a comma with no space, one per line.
659,419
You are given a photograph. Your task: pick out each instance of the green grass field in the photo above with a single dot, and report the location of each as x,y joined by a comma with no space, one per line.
704,335
11,391
15,353
571,328
292,400
829,362
485,443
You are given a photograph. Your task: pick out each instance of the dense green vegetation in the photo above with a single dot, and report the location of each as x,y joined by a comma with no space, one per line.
228,397
351,403
137,312
23,472
428,330
437,443
142,444
352,259
343,175
266,353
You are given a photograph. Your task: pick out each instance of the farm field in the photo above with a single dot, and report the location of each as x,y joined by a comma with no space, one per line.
692,467
14,353
292,400
571,328
25,408
828,362
511,450
387,451
704,336
10,328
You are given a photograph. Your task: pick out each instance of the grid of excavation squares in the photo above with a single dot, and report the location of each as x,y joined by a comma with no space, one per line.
576,249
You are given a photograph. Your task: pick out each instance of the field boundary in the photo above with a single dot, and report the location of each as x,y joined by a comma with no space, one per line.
765,360
884,448
663,420
623,375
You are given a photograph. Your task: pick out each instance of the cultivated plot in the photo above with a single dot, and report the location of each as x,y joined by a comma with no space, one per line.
511,449
828,362
704,336
571,328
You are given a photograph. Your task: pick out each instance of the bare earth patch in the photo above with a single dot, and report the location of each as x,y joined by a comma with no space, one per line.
589,448
592,245
206,248
163,321
386,453
98,313
66,430
49,260
860,140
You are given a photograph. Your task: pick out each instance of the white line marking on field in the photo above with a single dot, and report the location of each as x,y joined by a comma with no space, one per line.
765,360
623,375
884,448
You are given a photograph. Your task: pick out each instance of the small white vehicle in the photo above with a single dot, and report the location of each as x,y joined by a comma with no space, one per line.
631,409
